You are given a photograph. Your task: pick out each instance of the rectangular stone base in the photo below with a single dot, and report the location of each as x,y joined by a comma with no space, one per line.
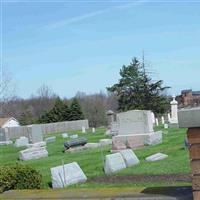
173,125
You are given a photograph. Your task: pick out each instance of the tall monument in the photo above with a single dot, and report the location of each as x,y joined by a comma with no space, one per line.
173,123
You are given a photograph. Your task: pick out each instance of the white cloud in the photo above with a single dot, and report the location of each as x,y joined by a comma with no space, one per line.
80,18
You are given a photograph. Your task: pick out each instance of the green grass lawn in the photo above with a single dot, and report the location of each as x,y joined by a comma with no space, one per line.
91,160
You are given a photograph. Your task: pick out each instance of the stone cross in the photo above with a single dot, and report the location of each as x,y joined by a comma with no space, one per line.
190,118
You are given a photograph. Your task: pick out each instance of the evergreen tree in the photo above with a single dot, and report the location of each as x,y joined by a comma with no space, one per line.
75,110
136,90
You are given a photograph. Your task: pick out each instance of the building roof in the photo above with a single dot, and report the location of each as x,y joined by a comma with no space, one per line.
185,91
4,120
196,93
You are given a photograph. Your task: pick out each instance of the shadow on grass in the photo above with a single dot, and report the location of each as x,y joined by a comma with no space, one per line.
179,192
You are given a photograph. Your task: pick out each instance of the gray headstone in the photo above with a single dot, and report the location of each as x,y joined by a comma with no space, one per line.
68,174
37,144
21,142
104,142
50,139
189,118
113,163
154,138
156,157
33,153
129,157
36,133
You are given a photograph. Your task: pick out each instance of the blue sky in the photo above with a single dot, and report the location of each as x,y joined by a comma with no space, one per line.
81,45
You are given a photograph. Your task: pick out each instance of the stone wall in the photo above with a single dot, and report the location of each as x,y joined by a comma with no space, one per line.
16,132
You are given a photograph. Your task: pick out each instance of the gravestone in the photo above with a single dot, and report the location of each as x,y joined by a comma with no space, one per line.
33,153
67,174
129,157
173,123
83,129
190,118
154,138
4,138
113,163
75,142
73,136
157,123
166,126
93,130
65,135
36,134
162,120
37,144
153,118
156,157
104,142
50,139
92,145
117,144
135,122
21,142
135,141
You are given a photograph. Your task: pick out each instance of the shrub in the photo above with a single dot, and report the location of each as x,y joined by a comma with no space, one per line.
19,177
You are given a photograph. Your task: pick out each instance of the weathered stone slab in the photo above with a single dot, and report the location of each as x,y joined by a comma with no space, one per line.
73,136
166,126
113,163
104,142
3,136
37,144
83,129
135,122
6,142
153,138
135,141
129,157
50,139
118,144
93,130
21,142
36,133
156,157
68,174
189,118
65,135
33,153
92,145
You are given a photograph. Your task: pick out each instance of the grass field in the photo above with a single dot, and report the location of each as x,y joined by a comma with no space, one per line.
91,160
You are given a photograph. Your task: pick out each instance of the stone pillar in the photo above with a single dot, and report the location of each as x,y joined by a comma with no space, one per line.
110,118
174,113
190,118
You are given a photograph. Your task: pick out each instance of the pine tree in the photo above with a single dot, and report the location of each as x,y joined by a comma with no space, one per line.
136,90
75,110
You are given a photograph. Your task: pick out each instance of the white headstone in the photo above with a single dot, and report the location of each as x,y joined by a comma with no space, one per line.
154,138
168,117
156,157
153,118
157,123
50,139
174,111
73,136
134,122
129,157
65,135
113,163
83,129
166,126
6,142
21,142
93,130
104,142
68,174
33,153
162,120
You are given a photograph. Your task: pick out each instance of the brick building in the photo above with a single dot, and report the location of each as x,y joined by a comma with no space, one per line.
189,97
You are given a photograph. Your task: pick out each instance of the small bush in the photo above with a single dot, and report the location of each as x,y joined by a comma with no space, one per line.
19,177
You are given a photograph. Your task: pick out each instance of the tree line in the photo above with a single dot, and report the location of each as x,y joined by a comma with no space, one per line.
134,90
